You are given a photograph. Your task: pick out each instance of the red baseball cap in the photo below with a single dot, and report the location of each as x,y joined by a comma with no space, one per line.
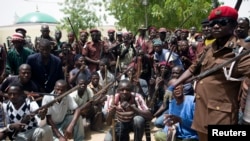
223,11
111,31
93,30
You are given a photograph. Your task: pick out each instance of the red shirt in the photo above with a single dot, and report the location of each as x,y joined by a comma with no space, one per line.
93,51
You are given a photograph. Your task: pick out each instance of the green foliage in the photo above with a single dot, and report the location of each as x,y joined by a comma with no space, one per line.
160,13
81,14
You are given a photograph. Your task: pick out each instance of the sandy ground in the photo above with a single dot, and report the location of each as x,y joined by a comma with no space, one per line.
96,136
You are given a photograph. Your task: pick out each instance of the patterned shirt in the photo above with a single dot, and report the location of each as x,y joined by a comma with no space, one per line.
16,115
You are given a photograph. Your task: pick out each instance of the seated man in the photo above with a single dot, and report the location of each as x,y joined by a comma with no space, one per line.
24,77
179,117
187,90
63,116
81,69
130,110
3,128
96,116
20,118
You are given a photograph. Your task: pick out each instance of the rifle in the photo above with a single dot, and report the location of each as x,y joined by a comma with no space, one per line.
218,67
99,94
37,94
77,41
237,5
26,118
113,100
180,26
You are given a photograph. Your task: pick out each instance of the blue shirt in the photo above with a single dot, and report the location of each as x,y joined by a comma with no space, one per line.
174,57
186,111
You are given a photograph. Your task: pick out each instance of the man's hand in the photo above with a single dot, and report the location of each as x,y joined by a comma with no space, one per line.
62,138
125,106
168,94
152,82
17,126
69,132
82,68
170,120
42,113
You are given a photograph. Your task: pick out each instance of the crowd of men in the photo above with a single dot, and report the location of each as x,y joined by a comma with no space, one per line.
125,80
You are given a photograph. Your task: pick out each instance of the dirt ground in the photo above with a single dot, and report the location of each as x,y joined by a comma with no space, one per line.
96,136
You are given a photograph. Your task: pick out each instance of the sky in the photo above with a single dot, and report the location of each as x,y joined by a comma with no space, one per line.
9,9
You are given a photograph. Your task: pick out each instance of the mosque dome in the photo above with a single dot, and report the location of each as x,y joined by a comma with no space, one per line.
36,17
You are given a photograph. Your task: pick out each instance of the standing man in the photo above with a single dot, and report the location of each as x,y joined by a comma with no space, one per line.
17,55
216,96
84,35
242,28
113,44
241,32
93,50
58,36
27,42
45,35
142,39
46,68
163,36
111,37
191,34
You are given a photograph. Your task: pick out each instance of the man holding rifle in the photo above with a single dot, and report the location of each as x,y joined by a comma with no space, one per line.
63,116
20,122
93,50
130,110
217,91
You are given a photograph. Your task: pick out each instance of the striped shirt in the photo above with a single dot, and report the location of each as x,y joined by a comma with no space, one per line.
137,99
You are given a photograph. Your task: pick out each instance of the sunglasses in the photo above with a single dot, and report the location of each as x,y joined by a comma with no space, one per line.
220,22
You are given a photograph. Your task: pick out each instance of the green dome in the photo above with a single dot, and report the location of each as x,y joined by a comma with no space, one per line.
36,17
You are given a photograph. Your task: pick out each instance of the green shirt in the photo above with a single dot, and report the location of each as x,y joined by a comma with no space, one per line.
15,59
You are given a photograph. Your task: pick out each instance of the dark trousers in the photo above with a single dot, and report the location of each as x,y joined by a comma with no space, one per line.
122,130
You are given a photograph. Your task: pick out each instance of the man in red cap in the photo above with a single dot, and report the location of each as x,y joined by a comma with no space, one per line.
93,50
111,36
113,44
217,93
142,39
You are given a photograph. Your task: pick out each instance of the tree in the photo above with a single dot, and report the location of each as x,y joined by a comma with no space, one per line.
160,13
81,13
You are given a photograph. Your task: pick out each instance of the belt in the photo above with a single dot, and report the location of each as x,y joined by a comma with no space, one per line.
70,112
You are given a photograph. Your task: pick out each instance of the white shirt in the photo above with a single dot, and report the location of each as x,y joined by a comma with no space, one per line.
88,93
59,110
